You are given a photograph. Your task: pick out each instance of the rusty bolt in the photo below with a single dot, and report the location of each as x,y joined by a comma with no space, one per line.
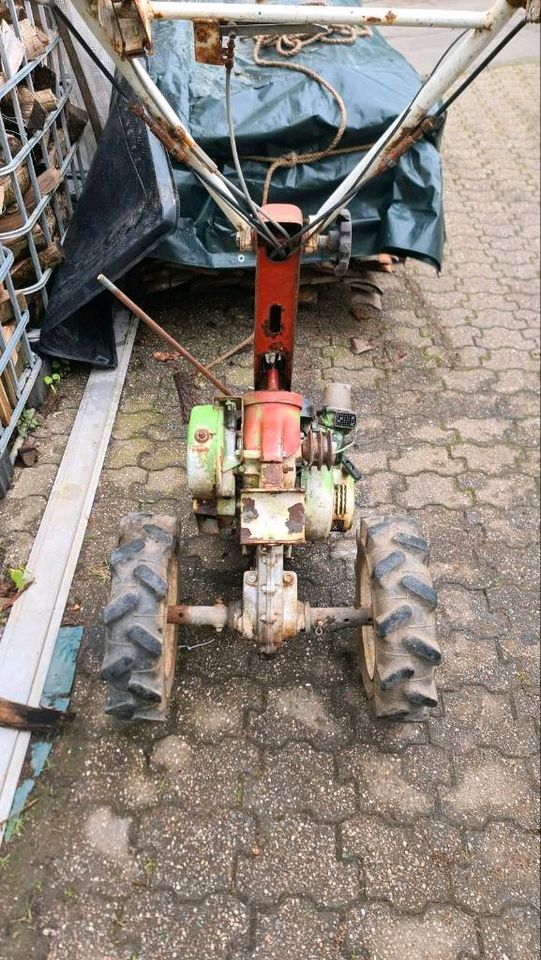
288,579
202,435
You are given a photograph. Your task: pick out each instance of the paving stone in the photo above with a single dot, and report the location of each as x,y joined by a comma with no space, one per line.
472,660
508,599
408,866
426,457
378,489
513,936
468,610
494,458
193,856
400,786
300,713
500,870
167,455
299,779
82,926
507,491
521,404
511,357
112,769
496,337
123,479
298,931
430,488
380,933
201,778
479,431
32,481
212,712
369,461
160,928
15,549
166,483
513,381
131,425
468,381
476,718
489,786
297,857
126,453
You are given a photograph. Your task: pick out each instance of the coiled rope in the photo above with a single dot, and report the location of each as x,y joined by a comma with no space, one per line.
290,45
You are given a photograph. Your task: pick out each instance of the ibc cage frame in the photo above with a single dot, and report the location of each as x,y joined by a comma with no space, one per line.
48,148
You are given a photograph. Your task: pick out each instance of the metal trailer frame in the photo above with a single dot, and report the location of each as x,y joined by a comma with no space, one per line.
70,163
235,18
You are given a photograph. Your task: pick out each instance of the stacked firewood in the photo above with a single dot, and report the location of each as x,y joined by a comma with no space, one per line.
25,111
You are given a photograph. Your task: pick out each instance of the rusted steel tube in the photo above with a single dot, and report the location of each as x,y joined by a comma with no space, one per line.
337,618
109,285
186,615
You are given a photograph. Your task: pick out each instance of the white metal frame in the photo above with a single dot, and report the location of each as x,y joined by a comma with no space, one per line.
482,27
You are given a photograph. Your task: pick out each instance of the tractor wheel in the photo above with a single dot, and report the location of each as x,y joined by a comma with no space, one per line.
140,646
399,652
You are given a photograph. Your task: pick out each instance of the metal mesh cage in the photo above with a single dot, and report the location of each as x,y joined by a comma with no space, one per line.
41,177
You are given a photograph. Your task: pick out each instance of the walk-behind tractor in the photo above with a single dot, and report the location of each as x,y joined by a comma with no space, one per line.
274,465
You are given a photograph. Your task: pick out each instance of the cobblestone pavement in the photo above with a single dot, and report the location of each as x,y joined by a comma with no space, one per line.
271,818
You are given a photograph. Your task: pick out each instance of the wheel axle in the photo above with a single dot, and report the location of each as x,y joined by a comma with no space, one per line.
309,619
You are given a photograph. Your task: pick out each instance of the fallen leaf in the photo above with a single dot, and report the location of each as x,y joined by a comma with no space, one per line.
357,346
163,357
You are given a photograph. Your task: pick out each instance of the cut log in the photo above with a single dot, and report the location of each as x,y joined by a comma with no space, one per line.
47,182
44,78
5,406
77,120
24,274
13,48
44,104
6,306
14,145
5,12
6,184
35,40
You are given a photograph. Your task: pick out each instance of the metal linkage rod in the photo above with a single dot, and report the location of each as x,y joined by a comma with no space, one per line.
304,14
155,327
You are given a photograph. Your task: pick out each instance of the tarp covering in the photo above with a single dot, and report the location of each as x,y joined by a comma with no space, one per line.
277,112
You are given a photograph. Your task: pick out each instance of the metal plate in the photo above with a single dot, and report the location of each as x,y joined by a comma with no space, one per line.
272,516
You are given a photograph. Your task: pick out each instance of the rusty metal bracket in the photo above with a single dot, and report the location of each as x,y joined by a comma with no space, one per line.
208,45
127,26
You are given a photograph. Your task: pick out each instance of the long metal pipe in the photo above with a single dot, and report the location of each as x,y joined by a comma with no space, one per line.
169,340
307,14
454,65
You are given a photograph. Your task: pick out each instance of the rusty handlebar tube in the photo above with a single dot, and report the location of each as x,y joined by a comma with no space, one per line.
125,48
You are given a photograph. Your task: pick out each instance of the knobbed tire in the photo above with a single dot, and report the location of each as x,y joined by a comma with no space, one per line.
140,646
399,653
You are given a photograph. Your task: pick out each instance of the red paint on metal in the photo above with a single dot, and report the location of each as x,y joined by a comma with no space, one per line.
272,424
276,299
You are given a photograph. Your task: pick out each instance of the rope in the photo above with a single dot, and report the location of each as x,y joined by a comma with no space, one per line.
289,45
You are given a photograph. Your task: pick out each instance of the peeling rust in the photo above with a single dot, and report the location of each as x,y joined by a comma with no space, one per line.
249,511
295,524
385,18
208,42
410,136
